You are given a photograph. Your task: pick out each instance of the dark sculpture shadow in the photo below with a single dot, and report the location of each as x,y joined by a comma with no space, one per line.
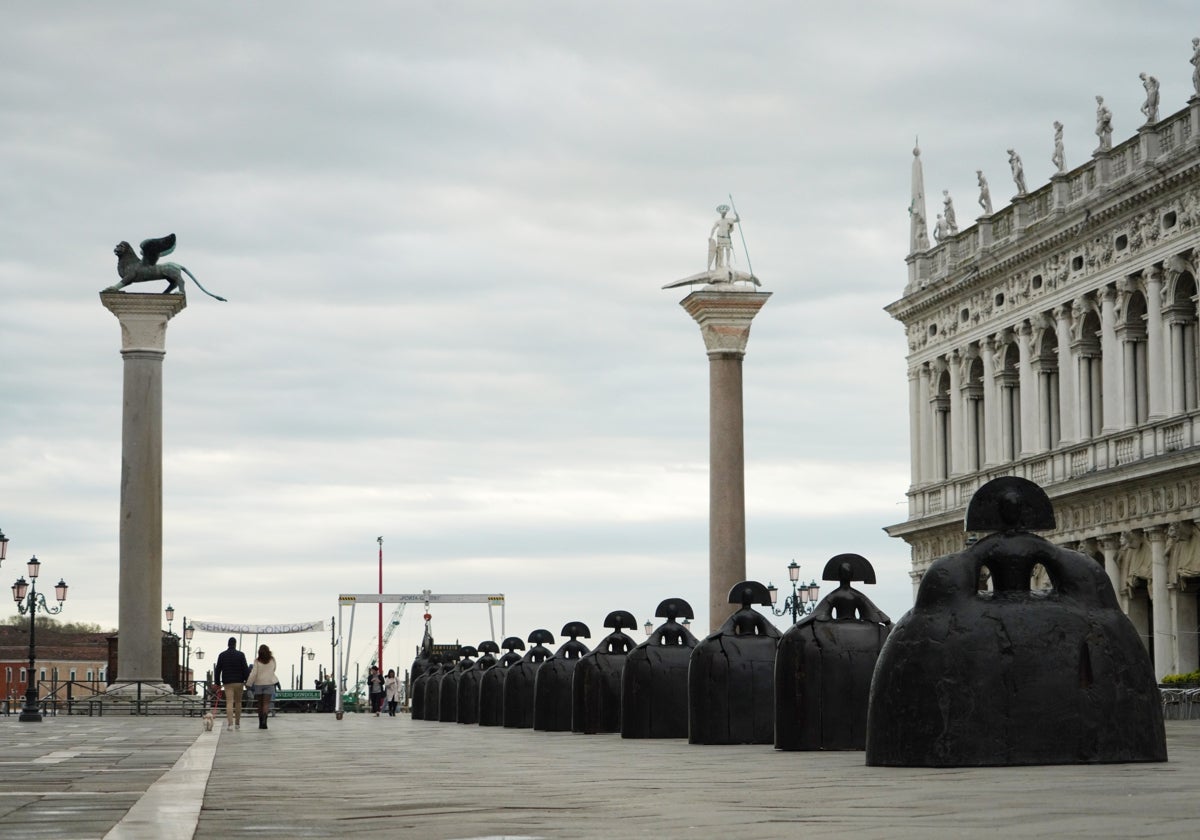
491,684
552,687
654,686
469,680
596,685
731,678
825,662
971,677
520,679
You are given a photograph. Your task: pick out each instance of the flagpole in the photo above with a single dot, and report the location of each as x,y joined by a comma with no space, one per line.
379,653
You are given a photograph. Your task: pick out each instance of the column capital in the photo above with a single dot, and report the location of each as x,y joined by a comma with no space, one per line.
1155,533
724,318
143,318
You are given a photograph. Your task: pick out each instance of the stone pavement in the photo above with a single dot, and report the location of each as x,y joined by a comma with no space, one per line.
309,775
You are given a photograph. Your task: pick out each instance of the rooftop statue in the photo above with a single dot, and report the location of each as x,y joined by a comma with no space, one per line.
131,269
1059,159
1195,60
951,219
1103,125
720,254
985,195
1018,171
941,229
1150,106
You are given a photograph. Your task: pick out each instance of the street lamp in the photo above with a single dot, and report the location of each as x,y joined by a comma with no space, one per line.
3,546
311,654
188,632
170,613
28,600
803,599
648,627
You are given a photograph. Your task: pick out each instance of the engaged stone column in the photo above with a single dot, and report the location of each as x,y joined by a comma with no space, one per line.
143,337
724,317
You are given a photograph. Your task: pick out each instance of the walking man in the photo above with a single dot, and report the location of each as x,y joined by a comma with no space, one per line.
231,671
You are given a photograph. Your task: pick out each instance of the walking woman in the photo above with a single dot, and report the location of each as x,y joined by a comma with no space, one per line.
262,682
391,687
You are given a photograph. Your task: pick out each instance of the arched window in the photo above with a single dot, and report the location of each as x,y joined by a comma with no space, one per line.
1010,402
1090,378
976,428
1181,324
1045,364
941,427
1134,374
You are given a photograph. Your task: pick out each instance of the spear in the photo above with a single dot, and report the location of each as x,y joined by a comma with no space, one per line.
742,234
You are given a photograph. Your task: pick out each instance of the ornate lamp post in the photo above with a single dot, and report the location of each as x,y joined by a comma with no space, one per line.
188,632
311,654
648,627
803,599
3,546
169,612
28,601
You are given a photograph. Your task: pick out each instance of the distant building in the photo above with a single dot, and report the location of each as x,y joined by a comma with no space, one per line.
80,659
1056,339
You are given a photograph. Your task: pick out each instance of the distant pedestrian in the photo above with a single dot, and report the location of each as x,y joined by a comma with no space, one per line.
391,688
262,681
375,689
231,672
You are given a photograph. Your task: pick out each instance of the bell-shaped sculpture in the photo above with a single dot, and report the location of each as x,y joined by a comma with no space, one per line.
449,690
654,686
596,685
469,680
552,688
824,665
420,686
974,676
731,679
491,684
520,679
433,687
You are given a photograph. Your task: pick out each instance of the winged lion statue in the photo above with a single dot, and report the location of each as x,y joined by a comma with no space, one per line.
133,269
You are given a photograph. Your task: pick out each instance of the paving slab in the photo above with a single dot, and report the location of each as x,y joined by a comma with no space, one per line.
311,775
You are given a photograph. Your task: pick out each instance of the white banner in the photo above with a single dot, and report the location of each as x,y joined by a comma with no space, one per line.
223,627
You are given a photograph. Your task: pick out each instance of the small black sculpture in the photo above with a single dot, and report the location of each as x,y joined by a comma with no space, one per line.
519,681
448,708
825,662
596,685
470,679
1011,676
654,687
731,679
552,688
491,684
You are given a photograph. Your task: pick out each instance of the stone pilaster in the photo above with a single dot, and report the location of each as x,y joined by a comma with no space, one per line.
143,320
724,316
1164,637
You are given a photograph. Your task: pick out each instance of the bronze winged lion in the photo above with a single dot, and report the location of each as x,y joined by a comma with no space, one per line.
133,269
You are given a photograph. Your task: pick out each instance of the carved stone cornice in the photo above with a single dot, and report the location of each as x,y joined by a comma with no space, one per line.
143,318
724,317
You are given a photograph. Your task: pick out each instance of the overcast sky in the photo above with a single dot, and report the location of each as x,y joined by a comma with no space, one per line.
443,230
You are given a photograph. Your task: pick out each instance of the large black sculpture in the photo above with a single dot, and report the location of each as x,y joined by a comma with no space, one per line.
433,686
431,669
654,687
491,684
469,681
731,679
520,678
596,685
1010,676
552,687
448,708
825,662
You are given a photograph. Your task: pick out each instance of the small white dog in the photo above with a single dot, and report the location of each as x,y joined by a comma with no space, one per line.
208,721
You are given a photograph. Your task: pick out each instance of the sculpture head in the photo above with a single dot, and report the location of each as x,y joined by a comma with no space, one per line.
722,209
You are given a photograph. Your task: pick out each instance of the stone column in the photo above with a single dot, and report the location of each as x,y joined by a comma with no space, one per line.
958,424
724,317
1068,393
1028,434
1156,368
991,403
1109,544
143,321
914,425
1112,389
927,418
1164,642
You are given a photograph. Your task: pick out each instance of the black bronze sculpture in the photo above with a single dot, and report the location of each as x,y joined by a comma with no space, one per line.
520,678
825,662
470,679
1012,676
654,687
596,685
133,269
430,666
552,687
448,707
491,684
731,679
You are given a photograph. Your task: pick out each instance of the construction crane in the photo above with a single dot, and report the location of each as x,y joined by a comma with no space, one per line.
392,624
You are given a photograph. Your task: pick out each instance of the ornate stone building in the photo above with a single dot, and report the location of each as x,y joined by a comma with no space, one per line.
1056,339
